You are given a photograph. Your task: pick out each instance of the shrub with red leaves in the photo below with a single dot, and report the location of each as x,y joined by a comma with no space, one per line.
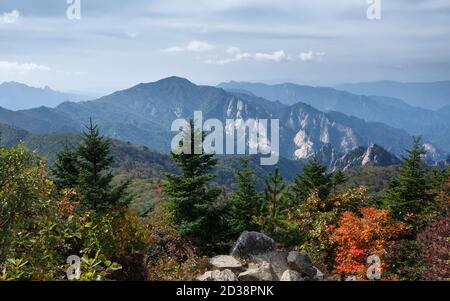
435,241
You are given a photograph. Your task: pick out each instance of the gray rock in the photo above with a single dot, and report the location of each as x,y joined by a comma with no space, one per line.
334,278
319,275
277,260
262,272
217,275
290,275
223,262
300,262
252,243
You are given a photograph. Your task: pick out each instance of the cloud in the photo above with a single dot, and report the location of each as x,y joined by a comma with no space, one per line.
193,46
10,18
311,55
21,67
277,56
238,55
132,35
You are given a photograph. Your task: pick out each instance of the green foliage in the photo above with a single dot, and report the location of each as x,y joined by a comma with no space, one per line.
66,170
338,178
246,202
408,195
405,260
40,228
190,198
273,217
94,183
314,177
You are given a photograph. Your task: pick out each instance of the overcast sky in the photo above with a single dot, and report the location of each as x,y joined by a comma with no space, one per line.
118,43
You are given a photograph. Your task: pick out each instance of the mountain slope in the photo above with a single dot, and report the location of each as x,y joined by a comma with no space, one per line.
17,96
391,111
137,161
143,115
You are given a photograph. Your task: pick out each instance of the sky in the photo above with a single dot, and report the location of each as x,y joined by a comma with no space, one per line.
116,44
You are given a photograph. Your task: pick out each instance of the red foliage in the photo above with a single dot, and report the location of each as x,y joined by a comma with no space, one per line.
158,189
358,237
435,241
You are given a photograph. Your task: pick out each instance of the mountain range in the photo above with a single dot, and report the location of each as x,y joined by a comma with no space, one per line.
429,95
17,96
433,125
143,115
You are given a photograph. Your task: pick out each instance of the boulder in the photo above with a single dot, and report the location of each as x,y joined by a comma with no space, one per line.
300,262
223,262
217,275
290,275
261,272
277,260
319,275
334,278
252,243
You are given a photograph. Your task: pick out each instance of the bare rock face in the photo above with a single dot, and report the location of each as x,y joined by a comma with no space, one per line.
252,243
223,262
277,260
290,275
261,272
300,262
217,275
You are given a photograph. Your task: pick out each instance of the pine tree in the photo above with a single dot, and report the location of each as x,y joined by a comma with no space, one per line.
314,177
191,200
245,205
338,178
66,170
274,212
95,178
409,192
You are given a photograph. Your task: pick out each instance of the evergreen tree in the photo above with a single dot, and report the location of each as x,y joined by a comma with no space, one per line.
314,177
95,178
66,170
245,205
191,200
408,194
273,218
338,178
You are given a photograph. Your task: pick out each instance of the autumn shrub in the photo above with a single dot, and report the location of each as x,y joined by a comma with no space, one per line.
359,236
435,243
40,228
171,256
314,216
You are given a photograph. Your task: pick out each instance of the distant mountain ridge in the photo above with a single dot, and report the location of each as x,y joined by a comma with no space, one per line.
373,155
143,115
17,96
428,95
434,125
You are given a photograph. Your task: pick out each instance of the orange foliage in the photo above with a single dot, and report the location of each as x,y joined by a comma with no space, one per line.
358,237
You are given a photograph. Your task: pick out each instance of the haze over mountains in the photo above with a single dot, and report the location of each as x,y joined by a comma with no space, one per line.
428,95
17,96
143,115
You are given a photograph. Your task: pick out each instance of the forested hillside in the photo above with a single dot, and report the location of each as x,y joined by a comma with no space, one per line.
78,207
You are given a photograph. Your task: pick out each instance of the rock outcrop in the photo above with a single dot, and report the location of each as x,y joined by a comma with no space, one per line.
255,257
252,243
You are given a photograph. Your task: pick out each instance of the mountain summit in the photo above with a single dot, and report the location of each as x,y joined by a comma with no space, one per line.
143,115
